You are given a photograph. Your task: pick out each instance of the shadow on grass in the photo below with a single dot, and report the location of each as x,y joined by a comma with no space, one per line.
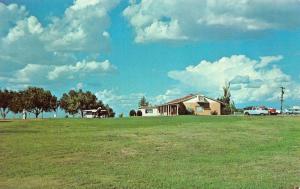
5,121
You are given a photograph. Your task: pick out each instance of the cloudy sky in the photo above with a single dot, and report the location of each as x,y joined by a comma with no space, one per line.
124,49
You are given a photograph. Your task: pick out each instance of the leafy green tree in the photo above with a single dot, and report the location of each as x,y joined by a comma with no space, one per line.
226,99
54,105
37,100
69,102
132,113
233,107
76,101
87,100
143,102
110,111
18,102
139,113
6,98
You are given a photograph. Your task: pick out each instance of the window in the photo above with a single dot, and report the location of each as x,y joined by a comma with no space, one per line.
149,111
199,109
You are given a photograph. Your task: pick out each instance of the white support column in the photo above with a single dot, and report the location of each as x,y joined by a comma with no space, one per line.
177,111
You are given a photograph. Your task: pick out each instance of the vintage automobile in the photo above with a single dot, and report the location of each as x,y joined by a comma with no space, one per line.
254,110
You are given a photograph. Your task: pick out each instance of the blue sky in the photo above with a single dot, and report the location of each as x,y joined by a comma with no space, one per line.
122,50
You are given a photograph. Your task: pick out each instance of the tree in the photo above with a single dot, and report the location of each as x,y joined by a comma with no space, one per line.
6,98
76,101
69,102
54,104
37,100
143,102
226,99
110,111
233,107
139,113
18,102
132,113
87,100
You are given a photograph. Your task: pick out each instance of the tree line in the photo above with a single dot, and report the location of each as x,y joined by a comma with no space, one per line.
38,100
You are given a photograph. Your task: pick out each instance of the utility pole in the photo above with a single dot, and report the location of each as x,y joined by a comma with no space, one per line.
281,99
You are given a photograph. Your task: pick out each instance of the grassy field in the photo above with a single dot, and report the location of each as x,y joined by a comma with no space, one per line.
165,152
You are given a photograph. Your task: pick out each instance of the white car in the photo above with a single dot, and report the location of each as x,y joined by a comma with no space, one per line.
256,111
293,110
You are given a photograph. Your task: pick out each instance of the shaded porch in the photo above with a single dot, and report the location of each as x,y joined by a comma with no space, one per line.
169,109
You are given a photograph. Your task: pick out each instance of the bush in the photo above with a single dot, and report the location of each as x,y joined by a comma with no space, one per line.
190,111
132,113
214,112
121,115
139,113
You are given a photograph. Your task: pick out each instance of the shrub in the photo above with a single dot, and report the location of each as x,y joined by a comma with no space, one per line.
190,111
121,115
139,113
214,112
132,113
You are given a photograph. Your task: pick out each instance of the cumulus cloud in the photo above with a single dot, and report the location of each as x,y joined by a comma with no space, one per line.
42,74
10,13
194,19
81,69
49,52
167,96
251,80
82,28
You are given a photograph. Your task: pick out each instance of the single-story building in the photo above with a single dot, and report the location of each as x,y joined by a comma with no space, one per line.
95,113
194,104
149,111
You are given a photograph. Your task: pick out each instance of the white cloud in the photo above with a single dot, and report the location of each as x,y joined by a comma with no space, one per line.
51,51
79,85
252,80
27,26
266,60
82,28
80,69
43,74
194,19
10,13
169,95
159,30
29,74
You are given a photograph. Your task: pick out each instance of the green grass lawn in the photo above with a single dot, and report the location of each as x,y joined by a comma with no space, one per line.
164,152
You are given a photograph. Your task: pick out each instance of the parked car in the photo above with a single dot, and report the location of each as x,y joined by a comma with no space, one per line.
253,110
273,111
293,110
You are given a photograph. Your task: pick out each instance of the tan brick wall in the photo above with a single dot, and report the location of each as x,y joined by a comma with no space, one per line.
213,106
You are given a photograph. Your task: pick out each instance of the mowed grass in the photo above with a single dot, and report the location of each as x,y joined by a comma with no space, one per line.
161,152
